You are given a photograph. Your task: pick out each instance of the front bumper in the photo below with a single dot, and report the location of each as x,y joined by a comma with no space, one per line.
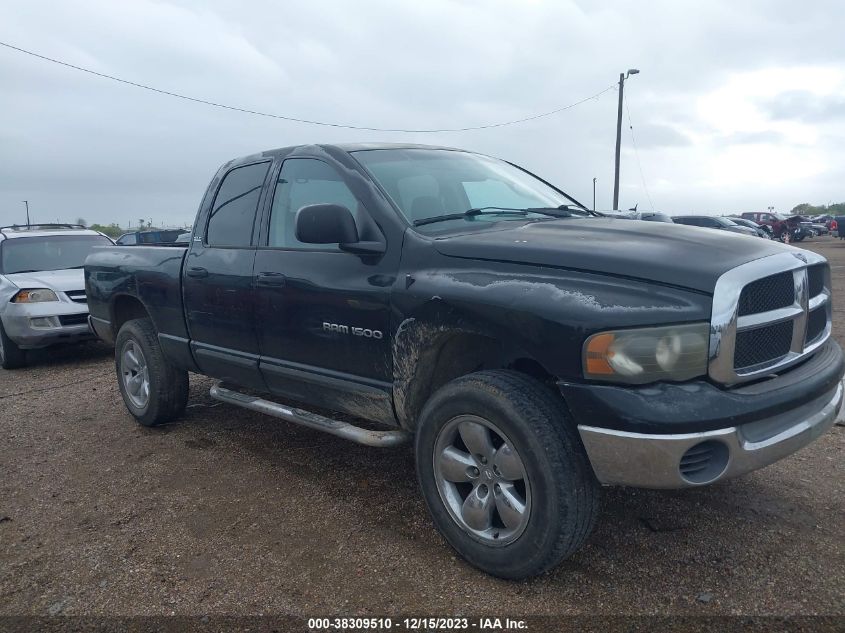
639,436
694,459
43,324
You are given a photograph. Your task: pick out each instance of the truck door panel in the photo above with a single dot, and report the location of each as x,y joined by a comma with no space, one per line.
322,314
218,277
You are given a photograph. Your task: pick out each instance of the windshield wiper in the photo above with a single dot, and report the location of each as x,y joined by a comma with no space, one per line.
556,212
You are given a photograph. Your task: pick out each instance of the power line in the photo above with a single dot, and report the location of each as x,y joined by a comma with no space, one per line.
296,119
637,155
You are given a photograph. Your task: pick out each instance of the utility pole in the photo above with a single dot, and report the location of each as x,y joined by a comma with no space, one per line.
594,194
622,78
26,202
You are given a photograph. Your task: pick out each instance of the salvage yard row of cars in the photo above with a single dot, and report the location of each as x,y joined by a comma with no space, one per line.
533,350
767,225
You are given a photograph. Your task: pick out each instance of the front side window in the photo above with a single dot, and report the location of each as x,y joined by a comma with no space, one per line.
55,252
428,183
302,182
233,212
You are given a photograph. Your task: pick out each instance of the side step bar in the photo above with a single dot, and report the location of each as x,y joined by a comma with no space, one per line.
384,439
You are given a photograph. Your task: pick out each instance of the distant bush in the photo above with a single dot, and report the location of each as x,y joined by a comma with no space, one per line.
112,230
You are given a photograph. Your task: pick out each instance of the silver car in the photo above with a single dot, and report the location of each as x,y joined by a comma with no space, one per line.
42,287
714,222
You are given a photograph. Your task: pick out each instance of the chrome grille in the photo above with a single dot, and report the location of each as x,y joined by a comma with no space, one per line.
816,324
816,279
768,293
769,314
762,344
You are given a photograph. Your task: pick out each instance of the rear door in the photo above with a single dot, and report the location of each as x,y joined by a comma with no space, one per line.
217,279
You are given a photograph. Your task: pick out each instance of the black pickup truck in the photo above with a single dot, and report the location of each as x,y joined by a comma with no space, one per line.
532,350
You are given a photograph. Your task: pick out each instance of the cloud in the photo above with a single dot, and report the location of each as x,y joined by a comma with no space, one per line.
713,91
762,137
660,135
806,106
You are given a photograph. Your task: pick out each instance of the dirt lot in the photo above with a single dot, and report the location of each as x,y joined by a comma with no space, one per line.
229,512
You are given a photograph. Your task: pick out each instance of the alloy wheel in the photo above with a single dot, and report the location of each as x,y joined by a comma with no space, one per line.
135,374
482,480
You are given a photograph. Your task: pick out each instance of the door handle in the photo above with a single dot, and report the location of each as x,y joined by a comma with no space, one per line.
270,280
197,271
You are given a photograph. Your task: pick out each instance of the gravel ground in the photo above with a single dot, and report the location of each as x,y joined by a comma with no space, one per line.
230,512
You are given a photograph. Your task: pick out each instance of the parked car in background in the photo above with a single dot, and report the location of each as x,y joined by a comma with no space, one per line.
823,219
713,222
42,287
820,228
654,217
761,230
646,216
837,227
150,237
783,228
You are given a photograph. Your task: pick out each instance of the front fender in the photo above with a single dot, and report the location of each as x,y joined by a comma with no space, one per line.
541,314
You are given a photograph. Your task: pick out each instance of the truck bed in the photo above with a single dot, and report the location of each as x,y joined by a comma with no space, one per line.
151,274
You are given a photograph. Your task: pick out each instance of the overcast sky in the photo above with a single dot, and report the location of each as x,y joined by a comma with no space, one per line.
739,105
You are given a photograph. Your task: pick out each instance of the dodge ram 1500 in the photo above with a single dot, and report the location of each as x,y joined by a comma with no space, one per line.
532,350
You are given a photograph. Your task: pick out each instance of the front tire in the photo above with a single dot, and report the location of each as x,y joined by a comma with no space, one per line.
154,390
503,473
11,356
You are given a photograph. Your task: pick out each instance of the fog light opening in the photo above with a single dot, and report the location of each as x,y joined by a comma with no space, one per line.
704,463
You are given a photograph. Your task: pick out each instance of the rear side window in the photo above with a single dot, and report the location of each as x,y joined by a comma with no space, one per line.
233,212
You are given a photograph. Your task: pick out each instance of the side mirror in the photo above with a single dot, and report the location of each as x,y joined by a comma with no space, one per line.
325,224
333,224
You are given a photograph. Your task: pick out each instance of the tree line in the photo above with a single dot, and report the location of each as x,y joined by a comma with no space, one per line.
805,208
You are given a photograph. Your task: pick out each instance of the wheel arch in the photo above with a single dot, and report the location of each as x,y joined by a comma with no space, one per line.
125,307
430,351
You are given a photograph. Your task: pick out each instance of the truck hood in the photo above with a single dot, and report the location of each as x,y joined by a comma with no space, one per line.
674,254
61,280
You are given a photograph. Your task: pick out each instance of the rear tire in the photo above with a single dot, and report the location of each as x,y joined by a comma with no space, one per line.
533,499
154,390
11,356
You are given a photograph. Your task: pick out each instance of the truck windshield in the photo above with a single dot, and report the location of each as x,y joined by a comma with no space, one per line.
54,252
426,184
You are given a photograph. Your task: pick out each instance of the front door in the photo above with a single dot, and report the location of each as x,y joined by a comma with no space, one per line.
217,280
322,314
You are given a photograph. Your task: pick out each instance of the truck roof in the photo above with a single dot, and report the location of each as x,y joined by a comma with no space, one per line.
343,147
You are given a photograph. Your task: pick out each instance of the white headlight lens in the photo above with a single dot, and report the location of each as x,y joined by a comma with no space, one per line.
677,352
668,351
37,295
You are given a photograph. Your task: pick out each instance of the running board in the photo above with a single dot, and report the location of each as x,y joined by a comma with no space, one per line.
383,439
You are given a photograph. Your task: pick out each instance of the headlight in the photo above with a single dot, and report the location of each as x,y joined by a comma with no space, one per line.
675,352
38,295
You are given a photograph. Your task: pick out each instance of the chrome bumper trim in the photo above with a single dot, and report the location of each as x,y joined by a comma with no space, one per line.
652,461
